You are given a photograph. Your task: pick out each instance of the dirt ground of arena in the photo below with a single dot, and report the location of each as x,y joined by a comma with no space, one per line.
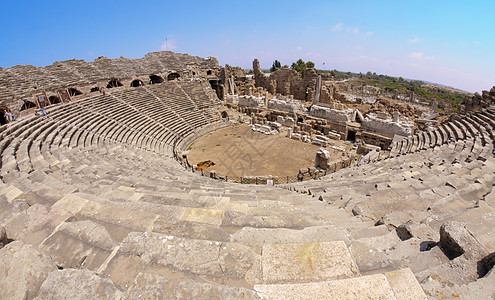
239,151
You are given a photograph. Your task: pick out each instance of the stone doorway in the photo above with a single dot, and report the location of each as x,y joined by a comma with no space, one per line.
155,79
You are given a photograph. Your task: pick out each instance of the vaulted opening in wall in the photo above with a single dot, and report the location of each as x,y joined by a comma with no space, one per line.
54,99
351,135
73,92
173,76
225,115
208,72
114,83
3,120
94,89
28,105
156,79
137,82
215,84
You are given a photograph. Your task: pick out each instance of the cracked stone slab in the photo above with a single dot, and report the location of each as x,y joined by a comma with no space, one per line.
365,287
307,262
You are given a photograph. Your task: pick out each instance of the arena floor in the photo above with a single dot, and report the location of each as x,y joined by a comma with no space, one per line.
239,151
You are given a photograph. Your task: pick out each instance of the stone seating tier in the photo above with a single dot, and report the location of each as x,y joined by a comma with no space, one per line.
98,200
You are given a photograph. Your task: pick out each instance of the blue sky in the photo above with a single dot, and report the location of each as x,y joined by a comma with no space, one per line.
448,42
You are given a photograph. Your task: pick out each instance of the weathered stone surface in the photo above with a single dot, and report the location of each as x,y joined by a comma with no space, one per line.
79,244
405,285
3,237
260,236
34,224
414,229
164,254
456,240
22,270
365,287
11,192
78,284
148,286
286,263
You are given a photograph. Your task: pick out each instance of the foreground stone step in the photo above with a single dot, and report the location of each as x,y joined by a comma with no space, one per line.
184,259
78,284
399,284
308,262
149,286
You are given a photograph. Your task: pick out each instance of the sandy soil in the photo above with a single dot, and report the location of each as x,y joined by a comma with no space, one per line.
239,151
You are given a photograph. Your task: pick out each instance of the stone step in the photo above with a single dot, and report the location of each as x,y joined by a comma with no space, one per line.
400,284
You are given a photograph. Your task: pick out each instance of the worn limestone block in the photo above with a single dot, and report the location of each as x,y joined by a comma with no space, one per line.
405,285
150,286
11,192
34,224
78,284
288,263
22,270
414,229
456,240
365,287
79,244
260,236
162,254
212,217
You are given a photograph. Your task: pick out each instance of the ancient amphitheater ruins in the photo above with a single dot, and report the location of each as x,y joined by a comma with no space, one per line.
98,201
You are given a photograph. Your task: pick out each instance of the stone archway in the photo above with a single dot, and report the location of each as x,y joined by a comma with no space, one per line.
114,83
173,76
136,83
3,119
225,115
73,92
27,105
54,99
156,79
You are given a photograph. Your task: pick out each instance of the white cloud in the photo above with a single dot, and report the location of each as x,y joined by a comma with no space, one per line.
169,43
338,27
369,33
476,43
415,40
354,30
299,48
420,55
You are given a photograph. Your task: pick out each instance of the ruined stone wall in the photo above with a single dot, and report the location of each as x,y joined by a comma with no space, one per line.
287,82
477,102
19,83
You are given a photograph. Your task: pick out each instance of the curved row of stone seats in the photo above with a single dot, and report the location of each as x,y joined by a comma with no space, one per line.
456,129
417,193
188,111
199,94
101,232
98,204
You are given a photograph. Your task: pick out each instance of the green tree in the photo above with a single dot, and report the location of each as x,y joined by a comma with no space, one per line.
299,66
275,66
310,64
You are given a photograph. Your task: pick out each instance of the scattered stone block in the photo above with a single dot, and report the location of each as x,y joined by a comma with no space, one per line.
405,285
78,284
23,269
456,240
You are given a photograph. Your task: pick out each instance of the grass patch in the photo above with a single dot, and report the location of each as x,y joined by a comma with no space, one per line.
218,145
